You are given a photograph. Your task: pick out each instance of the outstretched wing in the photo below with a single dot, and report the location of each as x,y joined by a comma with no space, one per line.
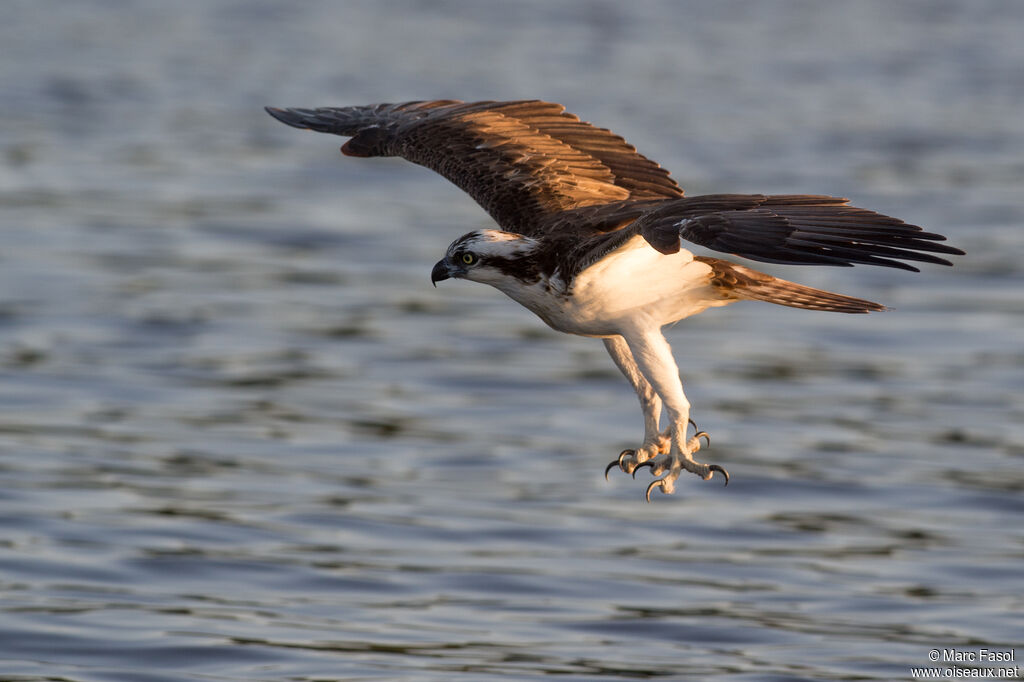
522,161
791,229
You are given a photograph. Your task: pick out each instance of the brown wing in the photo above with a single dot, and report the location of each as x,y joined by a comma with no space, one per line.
522,161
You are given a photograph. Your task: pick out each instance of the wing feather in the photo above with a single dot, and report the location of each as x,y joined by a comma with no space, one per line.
540,171
795,230
522,161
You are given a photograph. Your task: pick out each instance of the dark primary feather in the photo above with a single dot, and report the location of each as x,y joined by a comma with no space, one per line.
791,229
521,161
584,191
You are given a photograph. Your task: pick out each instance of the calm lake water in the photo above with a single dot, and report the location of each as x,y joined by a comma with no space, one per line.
242,437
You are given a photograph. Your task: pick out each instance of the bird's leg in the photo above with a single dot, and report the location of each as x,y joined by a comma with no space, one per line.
653,358
655,441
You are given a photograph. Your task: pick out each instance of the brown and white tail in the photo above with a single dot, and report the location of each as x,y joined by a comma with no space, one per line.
743,283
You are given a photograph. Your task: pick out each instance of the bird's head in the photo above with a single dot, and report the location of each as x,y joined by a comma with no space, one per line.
489,256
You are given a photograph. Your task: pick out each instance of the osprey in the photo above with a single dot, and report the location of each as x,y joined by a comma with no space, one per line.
592,234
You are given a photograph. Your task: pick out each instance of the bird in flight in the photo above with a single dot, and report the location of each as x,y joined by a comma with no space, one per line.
592,240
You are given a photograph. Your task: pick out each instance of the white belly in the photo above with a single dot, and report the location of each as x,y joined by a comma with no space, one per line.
634,285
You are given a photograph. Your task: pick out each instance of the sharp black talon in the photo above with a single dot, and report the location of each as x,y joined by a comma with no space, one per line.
651,487
692,423
699,434
618,462
648,463
715,467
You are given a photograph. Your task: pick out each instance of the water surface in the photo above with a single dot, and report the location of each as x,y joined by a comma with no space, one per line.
242,438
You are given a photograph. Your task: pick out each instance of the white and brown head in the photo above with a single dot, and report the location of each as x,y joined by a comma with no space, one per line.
489,256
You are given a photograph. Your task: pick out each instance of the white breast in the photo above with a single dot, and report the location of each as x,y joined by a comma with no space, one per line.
634,285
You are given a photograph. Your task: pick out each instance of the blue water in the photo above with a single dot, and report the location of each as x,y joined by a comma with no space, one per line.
243,438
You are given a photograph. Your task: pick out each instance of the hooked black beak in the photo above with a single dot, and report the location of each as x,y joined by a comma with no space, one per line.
439,273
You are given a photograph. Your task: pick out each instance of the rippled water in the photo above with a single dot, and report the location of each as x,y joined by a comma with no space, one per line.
242,438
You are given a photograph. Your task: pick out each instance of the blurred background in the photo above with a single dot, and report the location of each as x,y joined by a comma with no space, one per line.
242,438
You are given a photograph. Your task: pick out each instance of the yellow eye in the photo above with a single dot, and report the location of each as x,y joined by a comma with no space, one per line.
468,258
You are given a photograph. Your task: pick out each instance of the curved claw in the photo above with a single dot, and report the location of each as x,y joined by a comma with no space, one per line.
659,483
618,462
647,463
692,423
704,435
715,467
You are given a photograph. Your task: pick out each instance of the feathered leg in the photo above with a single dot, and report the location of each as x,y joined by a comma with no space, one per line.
653,358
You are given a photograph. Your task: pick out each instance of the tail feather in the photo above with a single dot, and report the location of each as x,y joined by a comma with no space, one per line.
798,296
743,283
